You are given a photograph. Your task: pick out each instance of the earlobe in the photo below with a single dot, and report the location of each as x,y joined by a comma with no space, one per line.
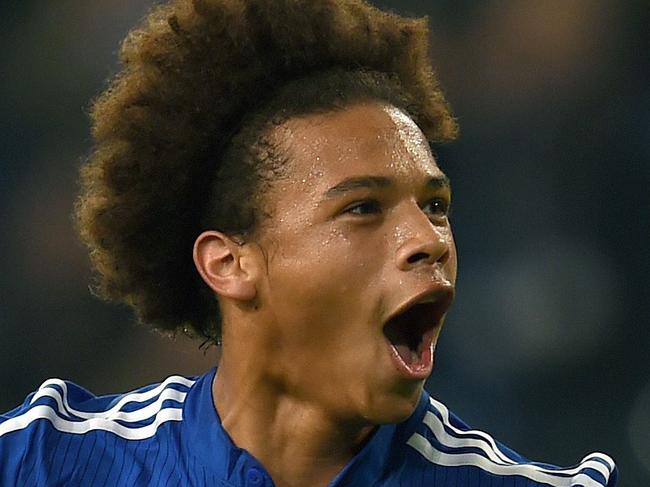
222,266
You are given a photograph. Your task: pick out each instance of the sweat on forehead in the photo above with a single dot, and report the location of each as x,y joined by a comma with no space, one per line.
343,134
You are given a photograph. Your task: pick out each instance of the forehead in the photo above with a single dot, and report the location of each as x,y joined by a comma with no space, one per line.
369,138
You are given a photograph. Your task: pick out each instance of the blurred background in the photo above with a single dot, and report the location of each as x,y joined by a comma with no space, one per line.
547,346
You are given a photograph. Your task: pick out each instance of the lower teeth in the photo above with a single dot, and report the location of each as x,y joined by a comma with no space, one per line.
408,355
414,356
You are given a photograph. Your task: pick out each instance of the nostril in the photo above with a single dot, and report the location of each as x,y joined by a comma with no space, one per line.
416,257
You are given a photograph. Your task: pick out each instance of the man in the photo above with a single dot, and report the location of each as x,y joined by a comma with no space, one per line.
283,147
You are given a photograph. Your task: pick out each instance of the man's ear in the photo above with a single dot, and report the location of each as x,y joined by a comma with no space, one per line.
224,266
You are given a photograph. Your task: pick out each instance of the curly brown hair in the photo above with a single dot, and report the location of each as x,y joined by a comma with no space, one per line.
180,140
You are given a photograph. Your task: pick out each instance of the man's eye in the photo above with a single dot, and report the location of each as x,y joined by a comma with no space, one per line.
437,207
363,208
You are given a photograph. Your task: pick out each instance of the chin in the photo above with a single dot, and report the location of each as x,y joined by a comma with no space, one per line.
397,406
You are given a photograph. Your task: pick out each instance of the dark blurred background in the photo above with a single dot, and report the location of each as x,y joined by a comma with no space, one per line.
547,345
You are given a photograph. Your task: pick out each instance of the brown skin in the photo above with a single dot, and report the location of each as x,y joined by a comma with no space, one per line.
306,373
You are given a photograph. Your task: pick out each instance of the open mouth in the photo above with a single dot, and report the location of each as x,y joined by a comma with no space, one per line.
411,333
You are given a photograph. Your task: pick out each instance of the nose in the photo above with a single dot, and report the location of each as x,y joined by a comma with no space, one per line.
426,244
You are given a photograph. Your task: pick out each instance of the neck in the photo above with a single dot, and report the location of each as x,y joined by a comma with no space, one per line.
297,441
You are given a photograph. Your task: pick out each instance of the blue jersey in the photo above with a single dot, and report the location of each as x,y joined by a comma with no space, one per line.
169,434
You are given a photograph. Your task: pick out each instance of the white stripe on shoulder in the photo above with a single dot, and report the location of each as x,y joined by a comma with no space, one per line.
492,458
162,390
491,445
113,414
104,420
444,413
493,453
428,451
81,427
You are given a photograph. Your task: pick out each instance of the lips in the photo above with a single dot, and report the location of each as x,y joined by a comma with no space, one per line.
411,330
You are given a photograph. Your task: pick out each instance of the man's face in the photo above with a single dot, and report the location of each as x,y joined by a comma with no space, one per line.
360,262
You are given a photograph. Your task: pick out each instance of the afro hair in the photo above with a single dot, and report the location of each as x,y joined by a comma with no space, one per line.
196,75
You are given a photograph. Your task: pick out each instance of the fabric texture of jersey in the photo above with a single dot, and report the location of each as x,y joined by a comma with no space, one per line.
169,434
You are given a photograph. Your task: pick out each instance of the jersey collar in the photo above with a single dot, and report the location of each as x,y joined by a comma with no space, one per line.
205,439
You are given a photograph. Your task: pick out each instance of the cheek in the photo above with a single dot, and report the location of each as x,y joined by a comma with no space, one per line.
326,252
326,275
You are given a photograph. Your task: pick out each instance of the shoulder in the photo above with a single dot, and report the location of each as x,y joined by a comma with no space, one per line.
446,443
61,420
69,408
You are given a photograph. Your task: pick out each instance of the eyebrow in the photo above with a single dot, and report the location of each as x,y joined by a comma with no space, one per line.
372,182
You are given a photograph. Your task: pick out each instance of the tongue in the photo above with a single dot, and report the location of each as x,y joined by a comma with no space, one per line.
409,356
